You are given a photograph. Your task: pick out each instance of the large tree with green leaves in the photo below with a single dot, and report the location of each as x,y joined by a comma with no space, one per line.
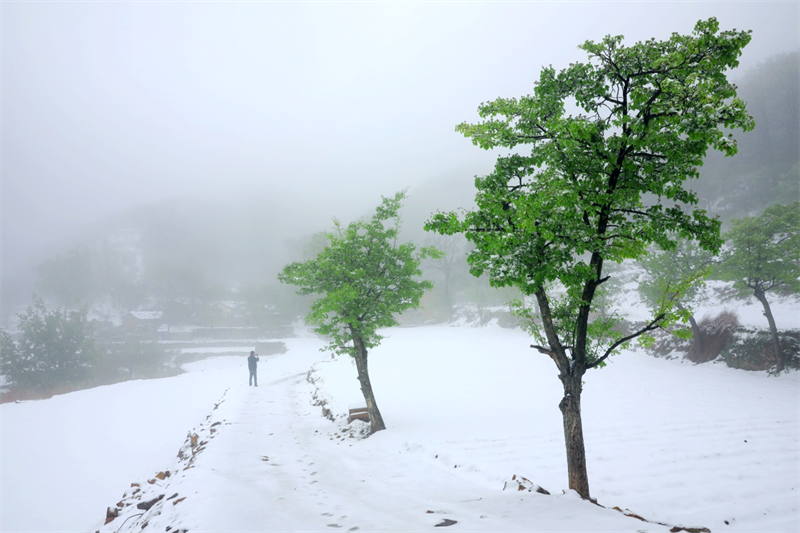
364,278
764,256
602,183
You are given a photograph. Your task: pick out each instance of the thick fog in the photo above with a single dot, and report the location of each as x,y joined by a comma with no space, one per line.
275,117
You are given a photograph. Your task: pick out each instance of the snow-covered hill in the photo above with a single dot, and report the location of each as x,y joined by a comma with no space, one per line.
466,409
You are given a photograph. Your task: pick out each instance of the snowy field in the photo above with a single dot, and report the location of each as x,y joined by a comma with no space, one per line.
466,409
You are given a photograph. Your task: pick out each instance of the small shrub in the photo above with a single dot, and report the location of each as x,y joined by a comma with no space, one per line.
54,349
716,333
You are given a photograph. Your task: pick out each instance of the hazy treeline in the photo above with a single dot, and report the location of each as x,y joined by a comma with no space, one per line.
767,168
202,250
233,249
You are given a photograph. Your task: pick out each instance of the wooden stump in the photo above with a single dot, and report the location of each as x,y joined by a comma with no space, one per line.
359,413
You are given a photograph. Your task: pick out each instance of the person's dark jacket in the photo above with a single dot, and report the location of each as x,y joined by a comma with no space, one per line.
252,361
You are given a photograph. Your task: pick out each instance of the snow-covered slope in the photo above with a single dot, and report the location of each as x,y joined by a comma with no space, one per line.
466,410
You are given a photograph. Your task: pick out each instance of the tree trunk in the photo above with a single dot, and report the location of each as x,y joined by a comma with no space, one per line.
573,436
447,298
697,336
571,376
773,329
375,418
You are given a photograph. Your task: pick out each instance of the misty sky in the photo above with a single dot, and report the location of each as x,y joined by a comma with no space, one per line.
322,106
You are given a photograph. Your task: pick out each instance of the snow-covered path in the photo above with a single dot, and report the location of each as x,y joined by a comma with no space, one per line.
465,408
275,464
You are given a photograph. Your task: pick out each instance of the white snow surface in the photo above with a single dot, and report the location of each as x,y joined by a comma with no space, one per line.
466,409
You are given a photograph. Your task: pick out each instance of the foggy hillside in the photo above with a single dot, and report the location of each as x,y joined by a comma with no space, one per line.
195,246
313,110
192,245
767,168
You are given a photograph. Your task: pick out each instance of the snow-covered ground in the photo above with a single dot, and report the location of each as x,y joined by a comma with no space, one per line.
466,409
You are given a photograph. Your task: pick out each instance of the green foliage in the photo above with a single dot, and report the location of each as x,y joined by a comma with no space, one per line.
364,278
315,244
648,113
9,355
671,284
603,329
687,265
764,252
55,348
764,256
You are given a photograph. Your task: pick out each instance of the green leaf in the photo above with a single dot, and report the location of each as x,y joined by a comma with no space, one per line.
364,279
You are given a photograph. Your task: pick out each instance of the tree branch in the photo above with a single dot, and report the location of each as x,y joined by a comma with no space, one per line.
546,351
655,324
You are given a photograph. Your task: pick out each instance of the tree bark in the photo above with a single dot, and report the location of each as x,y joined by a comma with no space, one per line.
573,436
375,418
697,334
571,376
773,329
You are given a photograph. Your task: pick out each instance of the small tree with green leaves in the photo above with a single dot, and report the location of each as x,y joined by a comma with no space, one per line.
364,278
687,265
547,221
763,256
55,348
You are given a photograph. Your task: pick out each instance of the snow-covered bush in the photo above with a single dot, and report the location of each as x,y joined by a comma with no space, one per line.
751,350
54,350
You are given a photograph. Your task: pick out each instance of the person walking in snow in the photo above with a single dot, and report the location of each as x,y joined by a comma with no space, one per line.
252,364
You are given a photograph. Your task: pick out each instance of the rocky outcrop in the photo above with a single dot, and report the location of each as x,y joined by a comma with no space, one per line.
142,506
